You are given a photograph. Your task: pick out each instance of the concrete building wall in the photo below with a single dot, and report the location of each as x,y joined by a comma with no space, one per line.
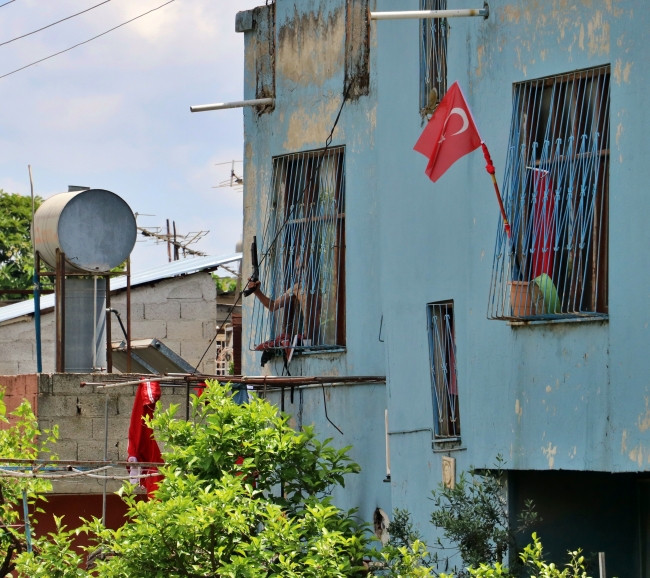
568,396
181,312
310,63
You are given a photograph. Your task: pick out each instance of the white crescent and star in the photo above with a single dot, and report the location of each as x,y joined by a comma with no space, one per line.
462,114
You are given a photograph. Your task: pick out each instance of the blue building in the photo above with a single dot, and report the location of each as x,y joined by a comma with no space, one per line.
531,346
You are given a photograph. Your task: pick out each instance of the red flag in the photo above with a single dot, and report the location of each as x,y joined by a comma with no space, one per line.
142,445
450,134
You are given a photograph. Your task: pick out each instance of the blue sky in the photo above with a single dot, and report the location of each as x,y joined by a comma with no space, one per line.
114,113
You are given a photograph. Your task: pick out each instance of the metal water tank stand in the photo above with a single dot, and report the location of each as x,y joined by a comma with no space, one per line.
59,310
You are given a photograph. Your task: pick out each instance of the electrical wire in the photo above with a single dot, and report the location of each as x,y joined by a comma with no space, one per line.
53,23
10,1
85,41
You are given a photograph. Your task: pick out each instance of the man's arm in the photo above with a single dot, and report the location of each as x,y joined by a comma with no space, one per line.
270,304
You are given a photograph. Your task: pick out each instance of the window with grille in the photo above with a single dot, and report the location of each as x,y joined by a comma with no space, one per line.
433,57
303,272
444,376
556,195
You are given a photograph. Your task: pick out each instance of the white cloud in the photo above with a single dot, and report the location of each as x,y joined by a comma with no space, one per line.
115,113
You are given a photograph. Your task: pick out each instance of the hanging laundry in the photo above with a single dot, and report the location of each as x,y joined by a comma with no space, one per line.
142,444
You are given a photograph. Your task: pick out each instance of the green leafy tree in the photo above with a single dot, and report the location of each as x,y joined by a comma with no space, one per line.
20,439
243,495
474,517
16,250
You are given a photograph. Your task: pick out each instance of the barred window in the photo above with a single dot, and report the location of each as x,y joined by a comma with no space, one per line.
444,376
556,195
303,273
433,57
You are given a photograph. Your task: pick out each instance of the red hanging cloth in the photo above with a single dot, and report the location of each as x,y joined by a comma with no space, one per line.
142,444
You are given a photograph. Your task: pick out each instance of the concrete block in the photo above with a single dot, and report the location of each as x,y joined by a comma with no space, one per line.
185,331
199,310
95,406
125,405
94,450
209,329
187,290
66,450
17,351
70,383
118,428
144,329
75,428
192,351
167,311
8,367
45,383
58,406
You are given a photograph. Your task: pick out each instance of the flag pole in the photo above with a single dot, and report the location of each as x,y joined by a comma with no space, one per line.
489,167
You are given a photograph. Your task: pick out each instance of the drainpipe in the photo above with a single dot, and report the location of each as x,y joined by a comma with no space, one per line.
408,14
237,104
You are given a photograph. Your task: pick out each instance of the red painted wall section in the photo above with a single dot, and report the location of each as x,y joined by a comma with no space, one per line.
17,388
73,507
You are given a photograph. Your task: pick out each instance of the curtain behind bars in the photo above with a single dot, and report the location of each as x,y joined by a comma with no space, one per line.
304,241
556,194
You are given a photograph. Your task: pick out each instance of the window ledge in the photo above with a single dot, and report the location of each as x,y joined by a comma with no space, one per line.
444,445
320,351
586,319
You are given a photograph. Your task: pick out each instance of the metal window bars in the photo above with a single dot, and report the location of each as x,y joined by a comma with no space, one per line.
433,57
303,273
444,375
556,195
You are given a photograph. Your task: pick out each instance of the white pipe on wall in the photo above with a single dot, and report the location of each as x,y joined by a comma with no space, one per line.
237,104
402,15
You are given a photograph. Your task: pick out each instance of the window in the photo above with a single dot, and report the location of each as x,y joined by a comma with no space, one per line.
444,376
303,272
433,57
556,194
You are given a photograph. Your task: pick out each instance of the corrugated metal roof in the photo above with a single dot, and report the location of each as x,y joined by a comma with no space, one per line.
166,271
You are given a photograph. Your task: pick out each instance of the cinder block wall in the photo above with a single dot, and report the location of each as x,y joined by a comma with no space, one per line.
181,312
79,413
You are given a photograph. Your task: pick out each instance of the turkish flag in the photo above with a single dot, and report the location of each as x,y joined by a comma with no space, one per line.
450,134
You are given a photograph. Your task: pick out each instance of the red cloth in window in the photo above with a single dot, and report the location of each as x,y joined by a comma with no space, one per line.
142,444
543,225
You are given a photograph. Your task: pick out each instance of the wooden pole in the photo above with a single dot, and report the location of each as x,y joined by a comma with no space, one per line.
169,244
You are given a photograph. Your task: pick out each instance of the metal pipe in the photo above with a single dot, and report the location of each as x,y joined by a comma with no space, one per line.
128,314
94,322
408,14
28,530
60,311
37,285
109,345
236,104
105,458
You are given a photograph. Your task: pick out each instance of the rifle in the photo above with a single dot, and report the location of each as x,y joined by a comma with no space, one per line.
256,268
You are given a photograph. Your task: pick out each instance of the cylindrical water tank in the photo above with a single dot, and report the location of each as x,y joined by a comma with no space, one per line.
95,229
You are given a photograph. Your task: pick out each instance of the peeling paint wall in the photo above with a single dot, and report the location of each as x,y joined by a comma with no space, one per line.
320,45
568,396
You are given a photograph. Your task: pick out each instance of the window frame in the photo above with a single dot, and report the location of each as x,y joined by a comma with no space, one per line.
325,321
556,193
434,33
444,380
